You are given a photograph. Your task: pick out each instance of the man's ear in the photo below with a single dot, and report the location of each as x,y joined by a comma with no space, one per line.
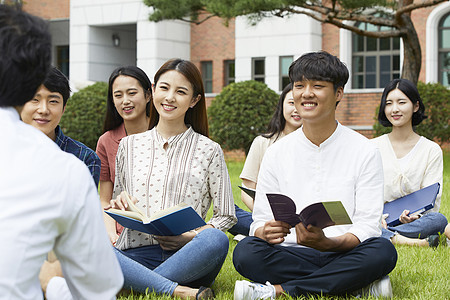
339,95
195,101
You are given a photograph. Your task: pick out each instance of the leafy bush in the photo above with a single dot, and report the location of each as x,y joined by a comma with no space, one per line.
436,99
84,115
240,112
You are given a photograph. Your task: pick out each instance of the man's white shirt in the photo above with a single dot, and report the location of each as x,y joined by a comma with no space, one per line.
49,201
345,167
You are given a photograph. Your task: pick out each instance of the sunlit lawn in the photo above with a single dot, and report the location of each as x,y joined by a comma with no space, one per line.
421,273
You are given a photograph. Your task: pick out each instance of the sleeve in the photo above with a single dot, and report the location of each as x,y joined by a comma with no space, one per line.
121,163
434,172
93,162
87,258
267,181
102,154
221,192
253,160
368,198
57,289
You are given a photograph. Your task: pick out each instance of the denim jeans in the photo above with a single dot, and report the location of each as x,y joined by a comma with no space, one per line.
428,224
196,264
244,219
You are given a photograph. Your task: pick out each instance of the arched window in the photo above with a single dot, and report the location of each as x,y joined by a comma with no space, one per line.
444,50
375,61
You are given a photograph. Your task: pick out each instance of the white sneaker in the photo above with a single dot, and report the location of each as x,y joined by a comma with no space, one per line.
245,290
239,237
379,288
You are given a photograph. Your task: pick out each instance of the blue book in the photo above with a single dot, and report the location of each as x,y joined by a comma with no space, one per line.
416,202
171,221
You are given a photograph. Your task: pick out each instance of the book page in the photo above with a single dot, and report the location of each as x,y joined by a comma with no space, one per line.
337,212
127,213
167,211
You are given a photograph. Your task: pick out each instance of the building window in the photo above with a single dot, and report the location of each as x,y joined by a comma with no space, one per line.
62,59
258,69
444,50
285,63
375,61
207,76
229,76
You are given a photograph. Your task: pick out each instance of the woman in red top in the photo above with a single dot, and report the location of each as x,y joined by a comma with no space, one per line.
127,112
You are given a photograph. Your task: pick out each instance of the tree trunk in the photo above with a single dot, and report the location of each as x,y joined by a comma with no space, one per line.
412,54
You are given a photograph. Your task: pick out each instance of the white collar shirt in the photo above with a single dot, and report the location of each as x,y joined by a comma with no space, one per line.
345,167
49,201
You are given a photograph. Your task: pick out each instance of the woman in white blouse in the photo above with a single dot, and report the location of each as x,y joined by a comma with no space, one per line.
174,162
410,162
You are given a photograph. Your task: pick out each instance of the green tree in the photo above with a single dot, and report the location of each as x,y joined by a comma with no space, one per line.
240,112
393,14
84,114
436,99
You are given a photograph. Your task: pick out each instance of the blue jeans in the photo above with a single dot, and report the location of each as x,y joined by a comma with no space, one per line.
428,224
196,264
244,219
306,271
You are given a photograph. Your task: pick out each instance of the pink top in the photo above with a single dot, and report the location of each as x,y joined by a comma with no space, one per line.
107,146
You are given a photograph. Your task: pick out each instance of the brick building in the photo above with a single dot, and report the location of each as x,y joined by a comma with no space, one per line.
91,38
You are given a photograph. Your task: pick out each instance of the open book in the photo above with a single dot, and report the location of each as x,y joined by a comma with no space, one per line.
249,191
416,202
171,221
321,214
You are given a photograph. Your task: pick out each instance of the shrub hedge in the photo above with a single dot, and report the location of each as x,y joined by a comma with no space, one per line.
84,114
240,112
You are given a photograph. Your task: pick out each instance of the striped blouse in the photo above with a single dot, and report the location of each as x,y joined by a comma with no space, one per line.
191,169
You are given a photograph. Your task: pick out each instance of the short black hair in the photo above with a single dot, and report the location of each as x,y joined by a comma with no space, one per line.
410,90
25,52
112,118
57,82
319,66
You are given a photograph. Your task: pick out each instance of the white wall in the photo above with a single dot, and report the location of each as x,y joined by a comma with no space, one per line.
142,43
59,30
271,38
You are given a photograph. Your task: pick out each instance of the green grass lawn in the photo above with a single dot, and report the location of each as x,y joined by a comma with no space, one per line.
421,273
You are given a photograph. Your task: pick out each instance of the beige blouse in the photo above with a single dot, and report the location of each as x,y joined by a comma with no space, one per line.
255,155
191,169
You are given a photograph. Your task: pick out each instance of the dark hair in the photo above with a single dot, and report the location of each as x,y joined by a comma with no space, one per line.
319,66
278,122
25,47
112,118
410,90
57,82
195,116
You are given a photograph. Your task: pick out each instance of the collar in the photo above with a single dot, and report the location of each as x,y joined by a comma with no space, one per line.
325,143
60,137
118,133
173,140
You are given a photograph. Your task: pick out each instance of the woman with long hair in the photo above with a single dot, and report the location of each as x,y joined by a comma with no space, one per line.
410,162
284,121
127,112
174,162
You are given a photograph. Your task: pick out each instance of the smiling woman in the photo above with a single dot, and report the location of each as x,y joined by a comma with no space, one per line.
174,162
410,162
127,112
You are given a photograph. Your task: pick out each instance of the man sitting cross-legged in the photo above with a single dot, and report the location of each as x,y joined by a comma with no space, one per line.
322,160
